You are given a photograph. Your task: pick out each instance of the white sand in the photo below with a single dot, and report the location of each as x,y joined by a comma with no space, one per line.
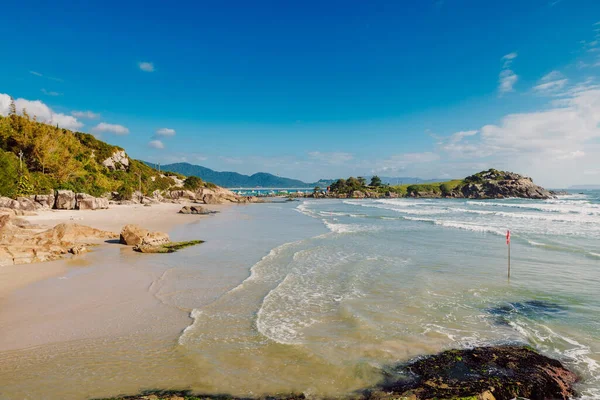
159,217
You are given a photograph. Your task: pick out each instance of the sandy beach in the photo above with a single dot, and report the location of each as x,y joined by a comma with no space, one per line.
161,217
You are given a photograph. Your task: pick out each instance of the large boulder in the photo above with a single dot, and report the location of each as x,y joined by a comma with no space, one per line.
65,200
45,200
133,235
87,202
357,194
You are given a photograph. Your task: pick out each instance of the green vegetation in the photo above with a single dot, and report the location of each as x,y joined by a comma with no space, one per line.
375,181
171,247
192,183
37,158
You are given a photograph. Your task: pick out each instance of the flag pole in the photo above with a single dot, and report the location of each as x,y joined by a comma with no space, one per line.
508,243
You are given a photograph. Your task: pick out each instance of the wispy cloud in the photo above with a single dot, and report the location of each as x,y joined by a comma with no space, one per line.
156,144
47,77
103,127
51,93
85,114
508,59
551,83
507,81
41,111
165,132
332,158
507,78
146,66
231,160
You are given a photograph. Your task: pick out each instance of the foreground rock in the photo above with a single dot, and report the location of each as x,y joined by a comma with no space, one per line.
22,243
134,235
498,373
483,373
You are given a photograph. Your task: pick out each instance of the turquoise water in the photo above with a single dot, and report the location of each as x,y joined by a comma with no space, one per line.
395,278
348,289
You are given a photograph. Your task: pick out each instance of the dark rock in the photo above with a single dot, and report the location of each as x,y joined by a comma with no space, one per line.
504,372
494,184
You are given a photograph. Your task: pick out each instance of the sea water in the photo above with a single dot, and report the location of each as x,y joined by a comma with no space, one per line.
339,291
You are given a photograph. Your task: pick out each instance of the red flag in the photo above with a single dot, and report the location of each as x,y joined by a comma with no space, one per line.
507,237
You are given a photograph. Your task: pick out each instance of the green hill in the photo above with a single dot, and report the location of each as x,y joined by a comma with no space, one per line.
55,158
233,179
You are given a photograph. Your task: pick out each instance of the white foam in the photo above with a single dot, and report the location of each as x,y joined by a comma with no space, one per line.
348,228
461,225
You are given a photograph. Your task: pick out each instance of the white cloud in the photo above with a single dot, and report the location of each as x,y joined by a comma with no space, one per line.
555,144
85,114
35,73
146,66
156,144
165,132
333,158
110,128
41,111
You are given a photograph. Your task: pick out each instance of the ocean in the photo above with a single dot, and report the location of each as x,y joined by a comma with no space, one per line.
342,290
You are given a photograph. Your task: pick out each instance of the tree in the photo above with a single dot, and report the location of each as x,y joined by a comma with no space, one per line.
13,107
353,184
375,181
362,181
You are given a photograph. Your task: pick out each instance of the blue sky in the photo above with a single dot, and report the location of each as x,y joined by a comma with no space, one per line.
314,89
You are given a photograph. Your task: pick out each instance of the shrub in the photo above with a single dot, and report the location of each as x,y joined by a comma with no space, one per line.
192,183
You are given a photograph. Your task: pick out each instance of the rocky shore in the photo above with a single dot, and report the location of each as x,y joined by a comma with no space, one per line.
482,373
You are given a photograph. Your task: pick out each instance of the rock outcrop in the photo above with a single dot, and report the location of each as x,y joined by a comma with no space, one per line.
117,162
21,243
503,372
494,184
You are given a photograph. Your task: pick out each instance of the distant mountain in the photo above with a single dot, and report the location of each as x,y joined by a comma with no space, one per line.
232,179
585,187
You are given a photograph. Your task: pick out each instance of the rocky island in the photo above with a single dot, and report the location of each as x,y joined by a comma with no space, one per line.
490,184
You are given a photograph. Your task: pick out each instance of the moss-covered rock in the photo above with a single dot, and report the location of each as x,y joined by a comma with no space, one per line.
170,247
